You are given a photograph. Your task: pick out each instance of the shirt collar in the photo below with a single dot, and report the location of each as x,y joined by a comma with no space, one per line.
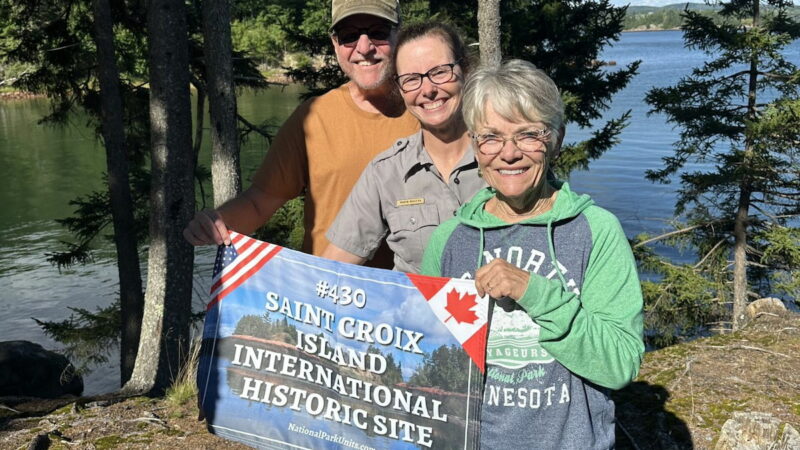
414,158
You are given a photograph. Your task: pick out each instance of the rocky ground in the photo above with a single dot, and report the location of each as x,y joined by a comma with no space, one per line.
685,393
682,398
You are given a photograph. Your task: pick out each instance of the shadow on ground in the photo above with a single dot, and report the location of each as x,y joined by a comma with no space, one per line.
644,423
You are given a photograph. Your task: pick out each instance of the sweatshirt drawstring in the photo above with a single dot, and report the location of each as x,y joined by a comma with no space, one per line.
551,247
480,251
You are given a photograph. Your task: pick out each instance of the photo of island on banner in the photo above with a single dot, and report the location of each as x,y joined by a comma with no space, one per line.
304,352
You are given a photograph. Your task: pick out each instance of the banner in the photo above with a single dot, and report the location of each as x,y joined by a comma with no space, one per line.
304,352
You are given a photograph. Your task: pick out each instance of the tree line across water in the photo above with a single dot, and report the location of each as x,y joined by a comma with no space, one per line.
115,59
670,17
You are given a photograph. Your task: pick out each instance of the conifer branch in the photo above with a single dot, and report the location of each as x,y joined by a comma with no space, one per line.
709,253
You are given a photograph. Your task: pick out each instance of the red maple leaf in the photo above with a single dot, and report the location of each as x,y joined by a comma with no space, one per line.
460,307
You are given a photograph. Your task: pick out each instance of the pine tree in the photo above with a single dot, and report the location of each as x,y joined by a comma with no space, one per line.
737,157
77,64
565,38
164,343
78,54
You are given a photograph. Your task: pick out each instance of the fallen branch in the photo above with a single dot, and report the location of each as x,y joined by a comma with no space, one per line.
9,409
689,362
666,235
149,419
745,347
784,381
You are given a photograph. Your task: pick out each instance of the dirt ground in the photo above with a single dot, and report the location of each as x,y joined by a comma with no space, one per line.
683,396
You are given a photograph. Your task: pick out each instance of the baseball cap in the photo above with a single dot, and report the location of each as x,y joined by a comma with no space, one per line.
385,9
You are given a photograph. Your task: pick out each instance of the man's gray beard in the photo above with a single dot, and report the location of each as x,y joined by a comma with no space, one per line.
386,77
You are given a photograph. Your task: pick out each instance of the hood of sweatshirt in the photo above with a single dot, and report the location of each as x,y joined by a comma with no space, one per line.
567,205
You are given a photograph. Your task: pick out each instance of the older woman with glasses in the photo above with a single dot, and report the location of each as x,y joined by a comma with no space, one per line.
566,320
405,192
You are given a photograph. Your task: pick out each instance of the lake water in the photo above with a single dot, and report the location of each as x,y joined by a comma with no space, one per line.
43,167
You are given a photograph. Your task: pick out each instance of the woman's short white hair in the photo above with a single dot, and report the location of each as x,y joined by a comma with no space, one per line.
517,90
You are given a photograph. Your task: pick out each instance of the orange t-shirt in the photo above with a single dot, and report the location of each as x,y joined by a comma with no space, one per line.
321,150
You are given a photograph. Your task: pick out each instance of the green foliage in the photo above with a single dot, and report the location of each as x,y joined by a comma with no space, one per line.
414,11
264,36
739,145
444,368
55,41
285,228
565,38
667,18
88,337
93,215
309,35
578,155
10,73
685,299
783,254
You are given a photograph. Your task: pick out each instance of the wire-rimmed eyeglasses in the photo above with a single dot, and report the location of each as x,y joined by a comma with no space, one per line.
527,141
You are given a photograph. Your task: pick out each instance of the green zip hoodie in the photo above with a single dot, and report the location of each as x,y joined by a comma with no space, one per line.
576,330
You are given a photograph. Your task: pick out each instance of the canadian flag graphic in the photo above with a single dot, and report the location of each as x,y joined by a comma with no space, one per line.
456,303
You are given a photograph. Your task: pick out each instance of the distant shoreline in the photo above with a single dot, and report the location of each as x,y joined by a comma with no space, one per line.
19,95
649,30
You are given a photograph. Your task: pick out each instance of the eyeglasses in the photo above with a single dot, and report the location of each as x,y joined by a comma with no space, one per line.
527,141
377,34
438,75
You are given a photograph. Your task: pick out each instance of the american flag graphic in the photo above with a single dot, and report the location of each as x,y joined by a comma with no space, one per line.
237,262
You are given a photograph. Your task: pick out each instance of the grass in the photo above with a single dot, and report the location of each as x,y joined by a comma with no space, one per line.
184,388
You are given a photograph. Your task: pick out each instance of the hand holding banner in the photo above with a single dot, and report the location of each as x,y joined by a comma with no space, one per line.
303,352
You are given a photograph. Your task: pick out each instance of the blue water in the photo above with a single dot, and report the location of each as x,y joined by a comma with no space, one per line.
56,165
616,181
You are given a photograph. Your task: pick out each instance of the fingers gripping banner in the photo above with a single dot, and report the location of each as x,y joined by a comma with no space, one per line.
303,352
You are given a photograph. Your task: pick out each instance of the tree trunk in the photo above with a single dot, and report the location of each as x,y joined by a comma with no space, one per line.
745,190
165,328
489,31
225,170
130,278
740,257
199,117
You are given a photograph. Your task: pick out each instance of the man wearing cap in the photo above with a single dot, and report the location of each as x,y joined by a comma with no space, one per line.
324,145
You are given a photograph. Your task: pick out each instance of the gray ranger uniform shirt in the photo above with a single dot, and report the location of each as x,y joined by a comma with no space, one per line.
402,194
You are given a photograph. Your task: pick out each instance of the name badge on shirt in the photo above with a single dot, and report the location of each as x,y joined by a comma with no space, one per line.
410,201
